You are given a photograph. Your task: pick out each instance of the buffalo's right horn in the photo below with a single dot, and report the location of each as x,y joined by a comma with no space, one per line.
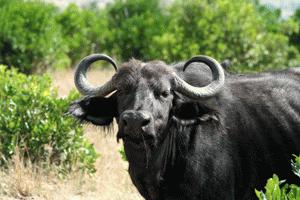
81,82
202,92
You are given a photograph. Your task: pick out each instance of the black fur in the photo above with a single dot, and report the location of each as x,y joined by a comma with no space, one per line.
226,64
96,110
218,148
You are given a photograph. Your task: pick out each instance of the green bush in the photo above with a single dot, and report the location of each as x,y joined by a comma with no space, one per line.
295,34
84,31
33,119
35,35
275,190
224,30
30,38
133,25
122,153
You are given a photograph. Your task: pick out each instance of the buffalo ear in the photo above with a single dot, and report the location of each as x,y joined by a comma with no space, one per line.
186,110
97,110
190,110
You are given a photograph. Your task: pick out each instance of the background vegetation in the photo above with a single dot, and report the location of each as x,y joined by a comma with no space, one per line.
30,37
35,36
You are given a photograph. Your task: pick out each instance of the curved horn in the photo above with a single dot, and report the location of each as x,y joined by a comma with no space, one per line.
81,82
202,92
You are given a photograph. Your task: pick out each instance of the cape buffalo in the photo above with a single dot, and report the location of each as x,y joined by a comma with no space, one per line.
191,131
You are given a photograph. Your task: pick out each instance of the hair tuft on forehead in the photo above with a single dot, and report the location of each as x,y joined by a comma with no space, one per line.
132,64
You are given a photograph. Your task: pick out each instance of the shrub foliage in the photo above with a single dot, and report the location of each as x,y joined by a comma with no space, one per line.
219,28
36,36
83,31
280,190
30,38
34,119
134,24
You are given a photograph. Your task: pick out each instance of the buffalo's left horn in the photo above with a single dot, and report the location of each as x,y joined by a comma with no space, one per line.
202,92
81,82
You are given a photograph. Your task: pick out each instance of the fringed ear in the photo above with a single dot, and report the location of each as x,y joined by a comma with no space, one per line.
188,112
99,111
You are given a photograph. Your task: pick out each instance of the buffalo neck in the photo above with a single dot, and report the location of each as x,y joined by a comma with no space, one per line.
153,168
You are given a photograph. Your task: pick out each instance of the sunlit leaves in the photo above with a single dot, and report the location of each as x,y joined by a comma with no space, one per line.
34,120
30,38
280,190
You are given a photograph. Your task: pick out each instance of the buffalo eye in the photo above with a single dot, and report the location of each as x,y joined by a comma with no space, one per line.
165,93
162,94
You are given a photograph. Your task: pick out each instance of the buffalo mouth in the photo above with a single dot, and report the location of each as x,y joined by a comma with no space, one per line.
137,139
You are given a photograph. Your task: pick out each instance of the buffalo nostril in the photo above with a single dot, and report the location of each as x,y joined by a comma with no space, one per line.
145,122
124,122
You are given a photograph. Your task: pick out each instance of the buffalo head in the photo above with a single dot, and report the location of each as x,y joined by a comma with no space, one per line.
141,97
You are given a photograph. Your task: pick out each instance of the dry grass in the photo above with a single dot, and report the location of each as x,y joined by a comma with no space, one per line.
111,181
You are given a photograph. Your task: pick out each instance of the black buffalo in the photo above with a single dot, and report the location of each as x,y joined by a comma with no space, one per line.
191,131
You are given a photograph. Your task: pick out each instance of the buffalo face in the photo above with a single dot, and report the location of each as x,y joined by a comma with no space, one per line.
144,101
